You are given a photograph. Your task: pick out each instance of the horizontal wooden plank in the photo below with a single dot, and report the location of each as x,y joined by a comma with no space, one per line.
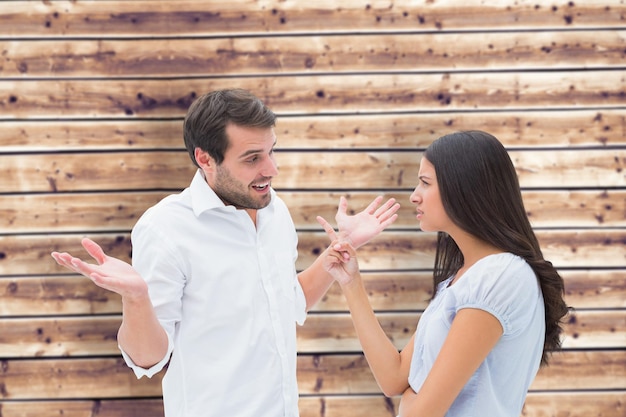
388,291
588,329
108,378
70,336
104,171
318,54
84,408
411,250
567,370
27,213
575,404
119,171
106,212
405,250
590,289
566,167
74,378
571,128
572,404
55,296
319,94
186,18
577,370
321,333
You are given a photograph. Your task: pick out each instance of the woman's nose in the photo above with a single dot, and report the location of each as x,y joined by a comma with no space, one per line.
415,197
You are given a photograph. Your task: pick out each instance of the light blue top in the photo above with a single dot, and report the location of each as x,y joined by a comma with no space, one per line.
505,286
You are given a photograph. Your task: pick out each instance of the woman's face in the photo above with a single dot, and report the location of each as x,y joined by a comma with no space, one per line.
430,211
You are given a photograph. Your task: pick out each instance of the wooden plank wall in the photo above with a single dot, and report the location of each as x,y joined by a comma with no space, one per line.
92,95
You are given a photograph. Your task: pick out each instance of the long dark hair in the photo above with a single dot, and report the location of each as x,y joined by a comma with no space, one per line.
480,193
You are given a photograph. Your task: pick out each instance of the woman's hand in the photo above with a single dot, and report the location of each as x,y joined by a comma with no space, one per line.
360,228
341,263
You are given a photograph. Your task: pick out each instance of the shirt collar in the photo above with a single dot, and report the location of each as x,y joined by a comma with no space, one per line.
203,197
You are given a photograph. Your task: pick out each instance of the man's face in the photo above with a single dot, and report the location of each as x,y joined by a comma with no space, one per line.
244,178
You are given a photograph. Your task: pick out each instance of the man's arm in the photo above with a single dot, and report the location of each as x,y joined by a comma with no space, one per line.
140,335
315,281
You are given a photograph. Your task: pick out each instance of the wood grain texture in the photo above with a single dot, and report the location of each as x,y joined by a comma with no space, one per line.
321,94
84,408
119,211
402,250
418,52
194,18
321,333
68,295
317,374
538,129
173,170
92,98
576,404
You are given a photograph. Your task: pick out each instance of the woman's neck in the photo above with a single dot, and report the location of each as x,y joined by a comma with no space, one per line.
473,250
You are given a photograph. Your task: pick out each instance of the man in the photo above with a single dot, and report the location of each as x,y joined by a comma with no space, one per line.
214,289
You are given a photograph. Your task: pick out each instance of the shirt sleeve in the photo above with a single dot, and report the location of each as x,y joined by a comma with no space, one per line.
300,311
505,287
154,369
160,267
300,305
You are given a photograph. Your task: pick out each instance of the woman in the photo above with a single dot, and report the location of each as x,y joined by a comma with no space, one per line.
497,307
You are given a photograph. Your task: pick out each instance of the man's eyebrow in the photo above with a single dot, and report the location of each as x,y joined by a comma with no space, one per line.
250,152
254,151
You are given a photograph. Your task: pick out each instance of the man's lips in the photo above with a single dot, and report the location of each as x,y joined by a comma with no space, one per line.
261,186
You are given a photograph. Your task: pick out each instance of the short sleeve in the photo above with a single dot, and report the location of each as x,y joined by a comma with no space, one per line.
503,285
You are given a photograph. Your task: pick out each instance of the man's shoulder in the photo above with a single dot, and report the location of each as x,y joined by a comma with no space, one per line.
167,208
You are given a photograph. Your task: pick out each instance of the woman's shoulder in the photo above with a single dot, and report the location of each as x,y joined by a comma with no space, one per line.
503,264
503,283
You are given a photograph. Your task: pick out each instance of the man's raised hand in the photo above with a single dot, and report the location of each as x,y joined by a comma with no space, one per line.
110,273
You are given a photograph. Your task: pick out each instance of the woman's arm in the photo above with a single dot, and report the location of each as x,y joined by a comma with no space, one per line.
472,335
390,367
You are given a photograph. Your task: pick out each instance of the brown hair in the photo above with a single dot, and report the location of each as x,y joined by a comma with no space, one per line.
480,193
206,120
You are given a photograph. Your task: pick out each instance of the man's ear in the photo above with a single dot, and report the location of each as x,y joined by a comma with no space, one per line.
204,160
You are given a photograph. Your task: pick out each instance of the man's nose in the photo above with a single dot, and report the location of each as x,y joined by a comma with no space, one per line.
270,169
